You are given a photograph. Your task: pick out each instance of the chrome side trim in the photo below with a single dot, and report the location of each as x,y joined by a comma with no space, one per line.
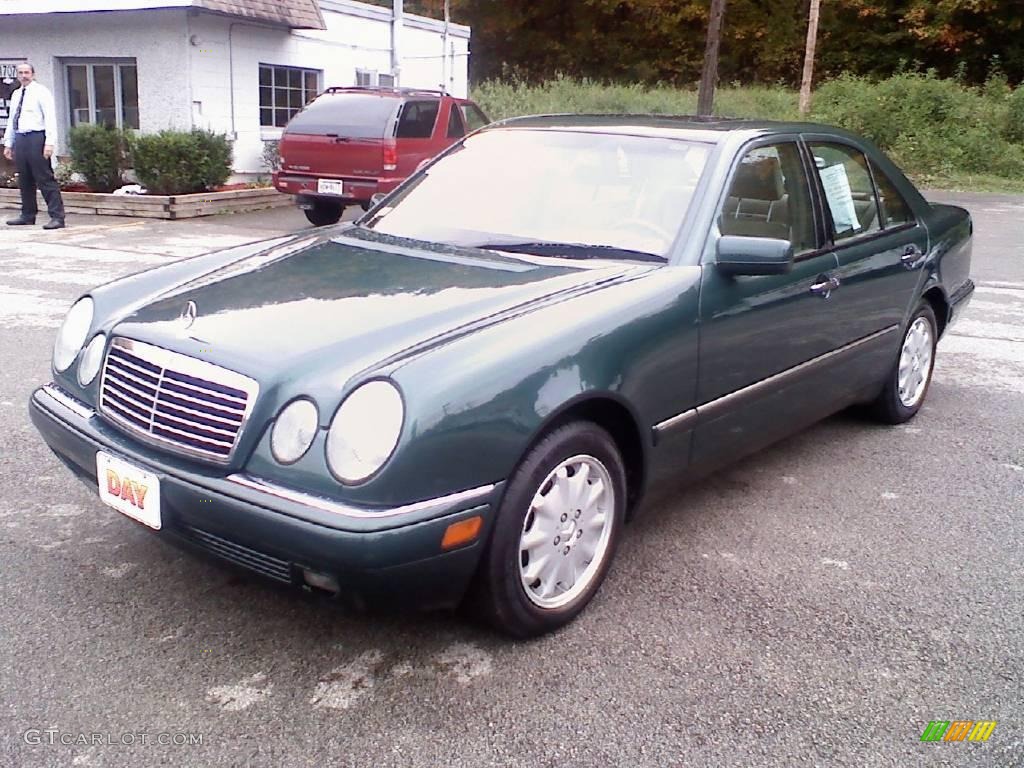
717,407
343,510
680,421
75,406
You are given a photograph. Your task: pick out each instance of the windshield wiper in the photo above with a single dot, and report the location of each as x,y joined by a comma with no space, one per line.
571,250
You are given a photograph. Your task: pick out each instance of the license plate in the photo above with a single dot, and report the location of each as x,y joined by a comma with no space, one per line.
330,187
131,491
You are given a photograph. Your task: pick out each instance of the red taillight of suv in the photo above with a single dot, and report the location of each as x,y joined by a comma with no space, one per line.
390,156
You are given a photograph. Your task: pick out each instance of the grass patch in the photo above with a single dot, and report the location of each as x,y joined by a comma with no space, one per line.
944,134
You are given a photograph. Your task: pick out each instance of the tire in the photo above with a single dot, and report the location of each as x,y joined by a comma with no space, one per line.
522,586
893,405
324,212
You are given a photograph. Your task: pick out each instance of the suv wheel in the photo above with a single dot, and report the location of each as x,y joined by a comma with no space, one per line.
324,212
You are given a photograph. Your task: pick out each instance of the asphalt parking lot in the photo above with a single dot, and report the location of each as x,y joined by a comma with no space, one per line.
816,605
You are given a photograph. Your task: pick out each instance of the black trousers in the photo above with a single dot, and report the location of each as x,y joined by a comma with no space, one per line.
35,171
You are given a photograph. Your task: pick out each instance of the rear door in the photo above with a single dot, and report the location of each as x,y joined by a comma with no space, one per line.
880,248
340,135
418,133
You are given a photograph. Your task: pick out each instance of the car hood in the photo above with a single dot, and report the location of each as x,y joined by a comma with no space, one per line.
350,302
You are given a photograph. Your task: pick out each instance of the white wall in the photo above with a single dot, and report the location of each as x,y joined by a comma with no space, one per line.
357,36
155,38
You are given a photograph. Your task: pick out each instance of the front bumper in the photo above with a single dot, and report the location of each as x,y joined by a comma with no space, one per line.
378,557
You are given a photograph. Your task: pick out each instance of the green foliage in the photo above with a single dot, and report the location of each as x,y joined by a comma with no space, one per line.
98,152
1013,128
934,128
509,99
180,162
939,131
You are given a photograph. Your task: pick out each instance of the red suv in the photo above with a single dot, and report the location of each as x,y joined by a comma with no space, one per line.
348,144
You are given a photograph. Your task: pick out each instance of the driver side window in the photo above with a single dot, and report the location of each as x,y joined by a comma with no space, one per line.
769,197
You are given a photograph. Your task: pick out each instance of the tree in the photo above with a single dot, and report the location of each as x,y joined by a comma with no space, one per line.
812,39
709,74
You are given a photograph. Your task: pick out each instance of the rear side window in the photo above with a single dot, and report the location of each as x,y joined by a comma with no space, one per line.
850,195
473,116
354,115
895,210
455,129
417,120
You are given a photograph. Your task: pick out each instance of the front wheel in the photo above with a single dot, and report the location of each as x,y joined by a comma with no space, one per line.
324,212
556,532
907,383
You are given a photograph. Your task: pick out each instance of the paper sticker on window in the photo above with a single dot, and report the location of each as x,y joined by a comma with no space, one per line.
840,197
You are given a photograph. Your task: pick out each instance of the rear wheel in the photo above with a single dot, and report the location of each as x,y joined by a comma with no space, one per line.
556,532
324,212
907,384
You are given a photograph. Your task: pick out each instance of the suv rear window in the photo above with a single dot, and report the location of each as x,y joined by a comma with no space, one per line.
355,115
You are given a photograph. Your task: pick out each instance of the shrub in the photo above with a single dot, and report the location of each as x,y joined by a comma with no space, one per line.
933,127
180,162
1013,128
271,155
98,152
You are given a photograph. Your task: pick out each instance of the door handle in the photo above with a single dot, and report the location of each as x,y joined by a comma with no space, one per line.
912,257
825,285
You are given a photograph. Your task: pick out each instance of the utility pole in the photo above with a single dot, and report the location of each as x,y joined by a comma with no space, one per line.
445,65
812,42
709,75
397,22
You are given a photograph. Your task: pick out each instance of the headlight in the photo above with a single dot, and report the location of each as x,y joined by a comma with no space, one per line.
364,431
89,366
294,431
72,334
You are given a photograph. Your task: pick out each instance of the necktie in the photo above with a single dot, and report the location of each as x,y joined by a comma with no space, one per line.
17,112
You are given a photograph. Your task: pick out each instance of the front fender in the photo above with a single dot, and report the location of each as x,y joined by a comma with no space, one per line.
474,406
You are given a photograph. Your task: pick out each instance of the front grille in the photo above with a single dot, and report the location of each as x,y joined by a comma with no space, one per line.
263,564
186,405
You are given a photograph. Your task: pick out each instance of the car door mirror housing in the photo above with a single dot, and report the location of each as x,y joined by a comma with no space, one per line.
754,255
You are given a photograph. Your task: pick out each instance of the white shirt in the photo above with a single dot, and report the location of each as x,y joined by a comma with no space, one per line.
38,114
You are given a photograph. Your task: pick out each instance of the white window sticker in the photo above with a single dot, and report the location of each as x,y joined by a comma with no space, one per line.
840,197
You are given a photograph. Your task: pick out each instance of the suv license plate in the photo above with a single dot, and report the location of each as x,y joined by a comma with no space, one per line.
330,187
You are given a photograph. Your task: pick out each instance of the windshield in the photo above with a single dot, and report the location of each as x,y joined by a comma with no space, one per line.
555,193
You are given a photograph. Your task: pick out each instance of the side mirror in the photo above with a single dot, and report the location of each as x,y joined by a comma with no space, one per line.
754,255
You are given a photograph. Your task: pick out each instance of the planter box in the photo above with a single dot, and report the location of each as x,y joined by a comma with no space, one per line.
160,206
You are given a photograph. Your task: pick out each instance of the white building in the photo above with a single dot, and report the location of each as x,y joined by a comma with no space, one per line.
240,67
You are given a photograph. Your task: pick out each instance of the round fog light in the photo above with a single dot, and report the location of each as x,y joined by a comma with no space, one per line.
92,358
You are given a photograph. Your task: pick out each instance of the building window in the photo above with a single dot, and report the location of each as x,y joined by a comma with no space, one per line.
371,78
284,91
104,92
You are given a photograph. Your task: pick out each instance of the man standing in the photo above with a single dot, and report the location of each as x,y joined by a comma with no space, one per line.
29,139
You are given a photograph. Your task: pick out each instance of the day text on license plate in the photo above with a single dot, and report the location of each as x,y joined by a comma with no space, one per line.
330,187
129,489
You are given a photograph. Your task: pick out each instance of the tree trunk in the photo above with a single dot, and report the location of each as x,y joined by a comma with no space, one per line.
812,41
709,74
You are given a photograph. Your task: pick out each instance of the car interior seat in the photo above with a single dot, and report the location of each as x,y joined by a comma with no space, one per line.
757,204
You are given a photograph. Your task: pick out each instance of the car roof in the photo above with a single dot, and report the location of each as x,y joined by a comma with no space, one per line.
692,127
380,90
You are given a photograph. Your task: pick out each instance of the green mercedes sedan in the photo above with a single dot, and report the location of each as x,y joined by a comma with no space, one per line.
464,395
